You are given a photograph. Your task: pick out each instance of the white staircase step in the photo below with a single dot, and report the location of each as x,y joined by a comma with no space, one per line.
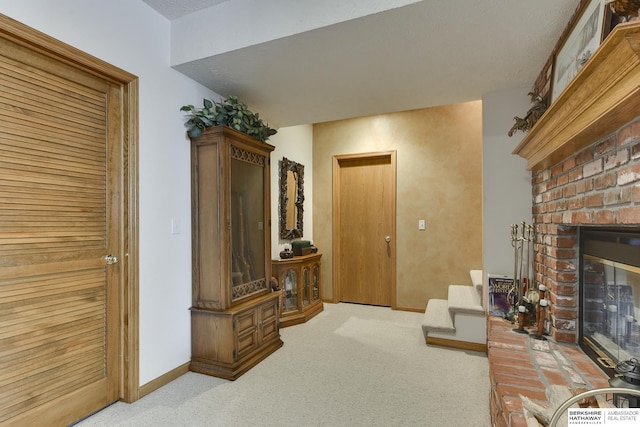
437,317
476,278
464,299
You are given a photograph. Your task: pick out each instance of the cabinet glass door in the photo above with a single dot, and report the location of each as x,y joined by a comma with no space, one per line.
306,286
247,224
315,278
289,291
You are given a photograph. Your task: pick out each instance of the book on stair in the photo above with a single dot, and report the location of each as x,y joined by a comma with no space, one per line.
499,288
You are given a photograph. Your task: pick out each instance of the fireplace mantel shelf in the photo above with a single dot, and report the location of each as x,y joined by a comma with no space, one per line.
602,97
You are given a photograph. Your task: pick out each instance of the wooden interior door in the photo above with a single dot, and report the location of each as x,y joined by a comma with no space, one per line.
364,228
61,213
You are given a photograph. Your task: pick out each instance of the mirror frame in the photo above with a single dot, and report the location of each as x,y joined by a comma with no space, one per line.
287,165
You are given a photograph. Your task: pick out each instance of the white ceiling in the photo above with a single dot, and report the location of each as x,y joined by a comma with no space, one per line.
433,52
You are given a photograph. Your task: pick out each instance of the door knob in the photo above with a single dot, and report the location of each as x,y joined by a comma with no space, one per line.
111,259
387,239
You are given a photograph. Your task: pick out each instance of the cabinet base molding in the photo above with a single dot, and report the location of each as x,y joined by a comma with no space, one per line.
232,371
296,319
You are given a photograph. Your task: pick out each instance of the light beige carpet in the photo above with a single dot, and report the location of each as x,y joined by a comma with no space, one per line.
352,365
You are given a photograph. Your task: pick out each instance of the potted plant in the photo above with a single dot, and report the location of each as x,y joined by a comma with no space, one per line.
229,112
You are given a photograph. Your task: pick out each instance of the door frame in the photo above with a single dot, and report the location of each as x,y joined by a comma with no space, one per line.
337,159
41,43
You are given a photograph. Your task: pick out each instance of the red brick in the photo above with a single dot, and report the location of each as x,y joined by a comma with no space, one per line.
629,134
592,168
517,381
629,174
565,277
560,302
501,422
531,393
564,336
565,242
567,230
578,217
575,175
617,196
584,156
593,200
605,146
606,180
562,253
635,193
569,164
614,160
577,203
557,170
573,352
630,215
526,370
604,217
589,369
563,179
517,420
554,376
562,265
511,404
564,313
569,191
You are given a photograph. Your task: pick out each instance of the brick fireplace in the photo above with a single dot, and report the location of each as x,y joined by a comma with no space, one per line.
584,157
598,185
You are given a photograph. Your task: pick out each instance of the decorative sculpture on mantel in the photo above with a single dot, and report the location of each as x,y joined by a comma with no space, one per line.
538,107
626,9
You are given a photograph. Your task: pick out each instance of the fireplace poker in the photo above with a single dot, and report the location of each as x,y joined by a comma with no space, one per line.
514,243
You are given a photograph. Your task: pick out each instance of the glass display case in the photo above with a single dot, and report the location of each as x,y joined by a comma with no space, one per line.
299,282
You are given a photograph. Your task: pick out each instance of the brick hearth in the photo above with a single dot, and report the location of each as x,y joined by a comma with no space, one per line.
522,365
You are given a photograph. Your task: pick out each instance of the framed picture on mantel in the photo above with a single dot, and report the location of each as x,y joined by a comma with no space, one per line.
582,41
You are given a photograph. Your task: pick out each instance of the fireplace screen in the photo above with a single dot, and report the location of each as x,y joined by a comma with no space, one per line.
610,303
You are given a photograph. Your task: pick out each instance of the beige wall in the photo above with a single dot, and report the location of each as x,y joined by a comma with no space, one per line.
439,160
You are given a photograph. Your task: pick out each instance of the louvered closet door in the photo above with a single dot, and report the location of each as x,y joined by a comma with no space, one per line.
59,217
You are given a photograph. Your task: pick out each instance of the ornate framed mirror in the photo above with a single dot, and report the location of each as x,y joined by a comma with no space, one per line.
291,198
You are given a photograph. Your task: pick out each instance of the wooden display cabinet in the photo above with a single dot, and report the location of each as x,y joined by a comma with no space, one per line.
234,314
299,280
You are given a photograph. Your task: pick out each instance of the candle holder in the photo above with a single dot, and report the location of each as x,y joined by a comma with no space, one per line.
521,315
540,315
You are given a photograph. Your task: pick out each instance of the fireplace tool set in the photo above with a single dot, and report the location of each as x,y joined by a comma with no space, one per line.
527,303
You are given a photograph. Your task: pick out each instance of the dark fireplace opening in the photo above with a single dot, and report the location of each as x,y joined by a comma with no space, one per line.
609,328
